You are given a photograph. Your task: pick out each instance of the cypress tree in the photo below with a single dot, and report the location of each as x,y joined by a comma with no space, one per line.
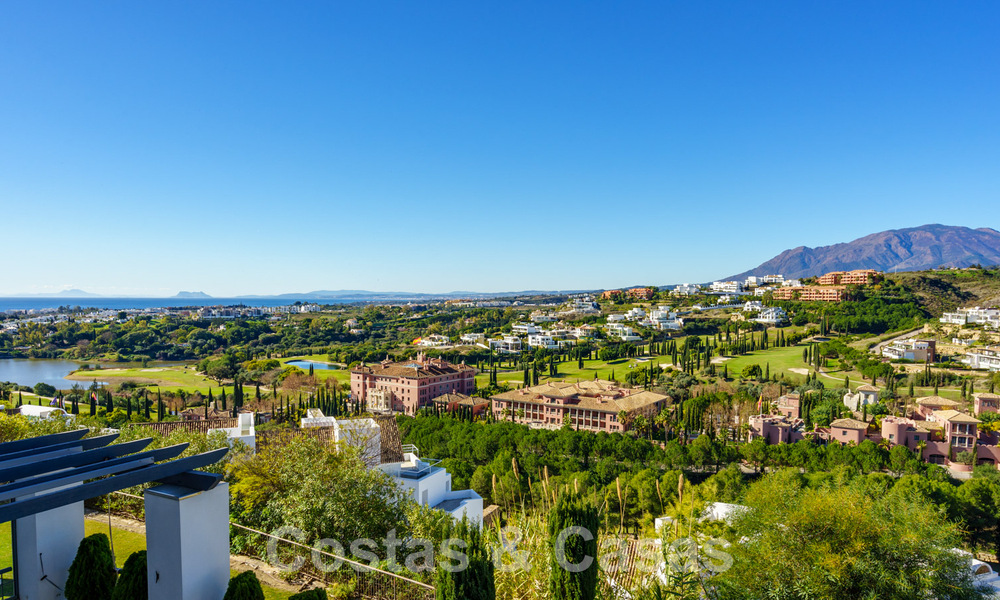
92,574
159,405
475,582
573,511
145,405
244,586
132,584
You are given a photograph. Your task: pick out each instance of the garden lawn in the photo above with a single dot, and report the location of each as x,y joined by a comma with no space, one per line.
781,361
176,377
570,370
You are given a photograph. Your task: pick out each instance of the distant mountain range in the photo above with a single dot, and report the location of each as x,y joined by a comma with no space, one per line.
912,249
74,293
332,296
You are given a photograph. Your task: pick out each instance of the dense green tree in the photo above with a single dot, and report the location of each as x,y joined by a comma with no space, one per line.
842,543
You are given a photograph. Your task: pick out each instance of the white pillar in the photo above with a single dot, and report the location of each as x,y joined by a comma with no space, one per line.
187,542
46,546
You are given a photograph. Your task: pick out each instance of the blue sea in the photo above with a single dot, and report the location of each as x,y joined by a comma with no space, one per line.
9,304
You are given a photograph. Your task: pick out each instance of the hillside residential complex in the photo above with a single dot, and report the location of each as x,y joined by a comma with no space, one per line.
411,384
973,316
984,358
810,293
589,405
936,430
859,277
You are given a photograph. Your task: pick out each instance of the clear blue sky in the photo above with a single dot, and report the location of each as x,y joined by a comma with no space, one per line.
268,147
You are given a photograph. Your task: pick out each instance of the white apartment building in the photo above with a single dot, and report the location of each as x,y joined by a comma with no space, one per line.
540,317
753,306
773,316
726,287
434,340
430,485
542,340
791,283
987,358
973,316
616,318
508,344
524,328
622,332
473,338
686,289
582,304
636,314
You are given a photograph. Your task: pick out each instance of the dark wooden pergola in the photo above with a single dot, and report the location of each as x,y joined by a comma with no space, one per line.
52,471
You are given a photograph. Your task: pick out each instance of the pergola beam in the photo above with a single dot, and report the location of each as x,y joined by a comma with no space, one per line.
41,441
79,459
55,450
23,508
66,477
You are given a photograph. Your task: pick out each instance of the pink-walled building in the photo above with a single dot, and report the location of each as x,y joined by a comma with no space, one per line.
776,429
409,385
589,405
848,431
928,405
790,406
958,429
985,403
906,432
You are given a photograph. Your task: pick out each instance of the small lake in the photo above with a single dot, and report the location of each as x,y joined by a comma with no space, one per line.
29,371
305,364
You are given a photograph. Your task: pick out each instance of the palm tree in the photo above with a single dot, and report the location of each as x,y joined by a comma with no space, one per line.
662,419
625,418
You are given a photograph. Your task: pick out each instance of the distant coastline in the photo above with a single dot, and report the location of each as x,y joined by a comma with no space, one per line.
22,303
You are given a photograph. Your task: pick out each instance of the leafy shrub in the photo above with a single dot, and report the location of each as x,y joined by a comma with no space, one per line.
244,587
92,574
132,585
316,594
